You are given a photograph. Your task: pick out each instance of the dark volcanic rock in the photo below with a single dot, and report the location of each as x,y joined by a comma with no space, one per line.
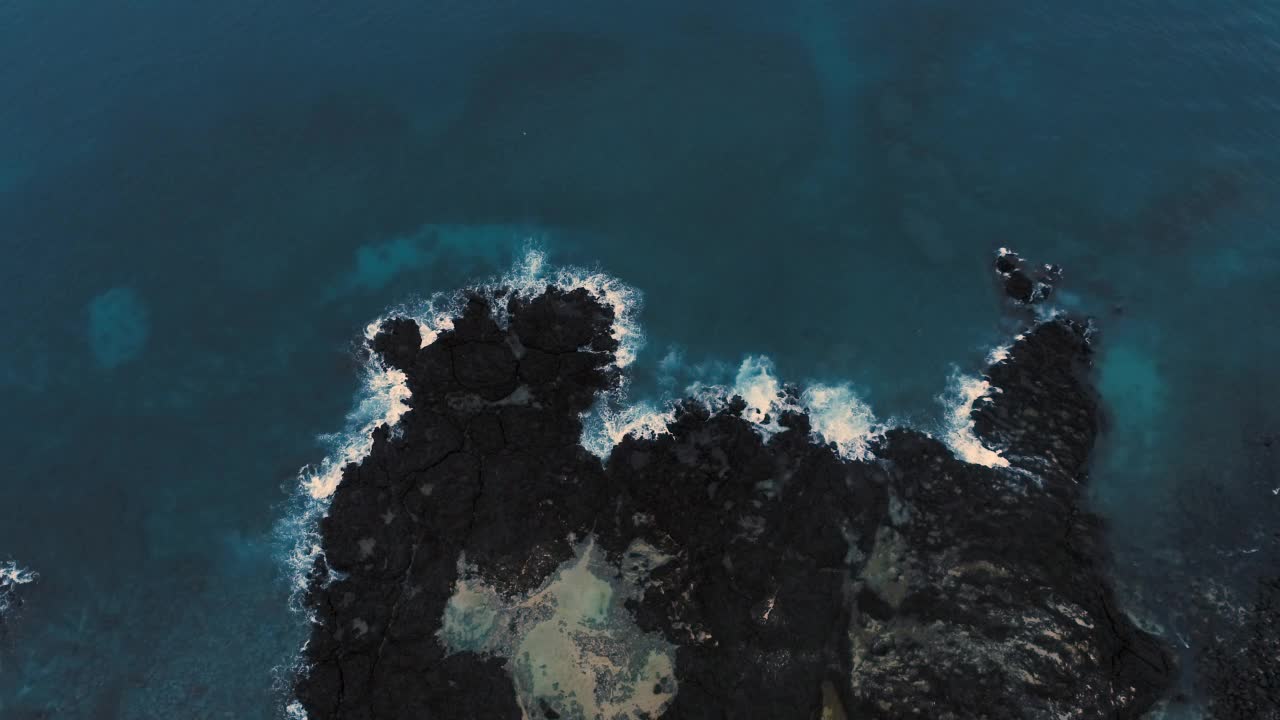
1240,670
784,579
1018,281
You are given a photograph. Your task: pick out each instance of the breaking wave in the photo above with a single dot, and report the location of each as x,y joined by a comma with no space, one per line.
11,576
837,415
957,401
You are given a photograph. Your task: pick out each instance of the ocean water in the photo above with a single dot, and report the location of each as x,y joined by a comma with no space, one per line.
203,205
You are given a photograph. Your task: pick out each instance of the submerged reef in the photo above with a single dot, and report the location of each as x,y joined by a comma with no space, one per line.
480,563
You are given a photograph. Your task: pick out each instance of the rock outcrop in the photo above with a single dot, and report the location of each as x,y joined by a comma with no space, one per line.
711,571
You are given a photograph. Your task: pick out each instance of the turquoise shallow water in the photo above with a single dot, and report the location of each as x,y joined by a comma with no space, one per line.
201,207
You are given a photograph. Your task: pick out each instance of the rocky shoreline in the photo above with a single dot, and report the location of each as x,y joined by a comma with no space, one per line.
480,563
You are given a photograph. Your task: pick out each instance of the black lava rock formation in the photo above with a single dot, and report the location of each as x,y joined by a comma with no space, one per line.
798,584
1023,285
1240,671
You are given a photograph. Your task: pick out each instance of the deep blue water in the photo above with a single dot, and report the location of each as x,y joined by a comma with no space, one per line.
203,204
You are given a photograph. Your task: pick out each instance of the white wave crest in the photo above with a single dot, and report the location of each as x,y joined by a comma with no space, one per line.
383,400
529,276
837,414
958,434
532,275
11,576
608,423
1000,353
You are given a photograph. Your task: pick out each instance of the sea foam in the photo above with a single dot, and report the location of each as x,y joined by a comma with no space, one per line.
11,576
958,434
837,415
